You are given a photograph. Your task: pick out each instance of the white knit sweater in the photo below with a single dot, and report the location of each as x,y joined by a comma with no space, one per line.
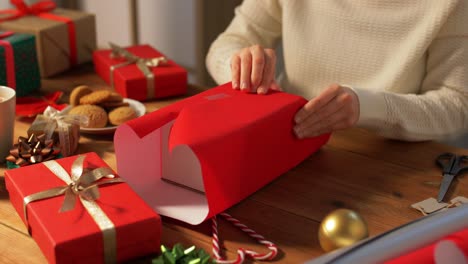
406,59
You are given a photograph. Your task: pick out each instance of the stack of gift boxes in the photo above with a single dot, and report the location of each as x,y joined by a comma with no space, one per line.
75,206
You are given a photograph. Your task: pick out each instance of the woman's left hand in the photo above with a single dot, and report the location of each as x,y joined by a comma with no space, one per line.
337,107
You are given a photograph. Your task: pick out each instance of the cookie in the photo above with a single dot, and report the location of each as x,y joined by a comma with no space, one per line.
114,97
79,92
112,105
121,115
97,116
95,97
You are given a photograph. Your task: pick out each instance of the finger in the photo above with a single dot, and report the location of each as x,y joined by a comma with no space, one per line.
258,64
268,71
317,102
333,122
312,125
274,86
246,69
235,74
336,104
340,124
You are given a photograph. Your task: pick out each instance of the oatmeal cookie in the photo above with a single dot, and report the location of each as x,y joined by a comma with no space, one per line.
79,92
97,116
121,115
95,97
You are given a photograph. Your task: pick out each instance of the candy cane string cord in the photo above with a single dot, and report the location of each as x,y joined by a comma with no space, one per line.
241,253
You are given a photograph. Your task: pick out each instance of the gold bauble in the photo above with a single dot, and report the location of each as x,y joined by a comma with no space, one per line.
341,228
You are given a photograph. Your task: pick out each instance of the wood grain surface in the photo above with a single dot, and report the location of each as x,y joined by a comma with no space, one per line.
377,177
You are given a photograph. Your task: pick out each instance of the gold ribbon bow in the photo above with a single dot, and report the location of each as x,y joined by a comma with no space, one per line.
82,184
68,128
143,64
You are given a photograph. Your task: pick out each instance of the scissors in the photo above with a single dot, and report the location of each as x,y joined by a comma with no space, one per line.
451,165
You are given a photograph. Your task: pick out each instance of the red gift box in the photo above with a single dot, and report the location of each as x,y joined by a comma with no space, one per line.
74,236
229,143
130,81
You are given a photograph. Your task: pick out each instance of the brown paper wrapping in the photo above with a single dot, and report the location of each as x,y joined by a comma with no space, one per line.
52,39
39,125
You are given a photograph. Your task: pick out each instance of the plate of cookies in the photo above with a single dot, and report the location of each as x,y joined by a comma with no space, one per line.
105,109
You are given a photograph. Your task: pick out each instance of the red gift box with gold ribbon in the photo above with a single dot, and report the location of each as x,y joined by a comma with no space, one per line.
78,211
140,72
64,37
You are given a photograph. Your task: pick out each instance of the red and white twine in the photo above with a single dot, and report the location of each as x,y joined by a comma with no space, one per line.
241,253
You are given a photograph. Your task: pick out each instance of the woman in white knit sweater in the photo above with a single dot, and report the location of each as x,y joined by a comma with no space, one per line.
397,67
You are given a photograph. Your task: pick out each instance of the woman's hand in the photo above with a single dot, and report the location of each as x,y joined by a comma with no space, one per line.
253,70
335,108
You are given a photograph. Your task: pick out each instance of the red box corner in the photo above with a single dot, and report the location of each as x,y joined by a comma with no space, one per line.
73,236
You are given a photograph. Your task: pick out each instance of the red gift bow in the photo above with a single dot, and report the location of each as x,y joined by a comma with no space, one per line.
41,9
9,59
23,9
31,106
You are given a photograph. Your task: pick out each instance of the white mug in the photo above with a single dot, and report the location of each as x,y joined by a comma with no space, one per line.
7,120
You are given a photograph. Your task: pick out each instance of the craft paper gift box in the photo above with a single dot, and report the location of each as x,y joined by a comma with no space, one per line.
140,82
64,37
197,157
59,126
18,62
121,224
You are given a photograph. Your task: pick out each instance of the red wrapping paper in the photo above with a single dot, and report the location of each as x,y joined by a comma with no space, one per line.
238,142
73,236
427,255
130,82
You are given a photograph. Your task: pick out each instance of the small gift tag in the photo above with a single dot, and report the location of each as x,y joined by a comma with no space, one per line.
457,201
429,206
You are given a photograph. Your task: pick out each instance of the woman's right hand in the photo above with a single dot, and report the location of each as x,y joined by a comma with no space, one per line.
253,70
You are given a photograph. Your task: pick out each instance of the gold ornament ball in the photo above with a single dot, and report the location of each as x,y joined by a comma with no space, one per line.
341,228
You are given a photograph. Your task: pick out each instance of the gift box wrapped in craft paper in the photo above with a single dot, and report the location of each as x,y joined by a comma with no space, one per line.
197,157
60,126
64,38
140,72
18,62
78,211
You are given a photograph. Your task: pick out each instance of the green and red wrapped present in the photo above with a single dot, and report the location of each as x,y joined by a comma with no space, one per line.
140,72
18,62
64,37
79,211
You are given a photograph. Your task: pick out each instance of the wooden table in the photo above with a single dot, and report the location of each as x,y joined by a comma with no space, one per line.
358,170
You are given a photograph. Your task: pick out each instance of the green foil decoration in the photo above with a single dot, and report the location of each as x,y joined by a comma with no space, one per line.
179,255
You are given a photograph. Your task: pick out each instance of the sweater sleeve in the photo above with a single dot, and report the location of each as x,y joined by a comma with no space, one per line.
440,110
255,22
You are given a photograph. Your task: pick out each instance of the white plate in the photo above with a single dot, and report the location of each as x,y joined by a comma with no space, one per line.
136,105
